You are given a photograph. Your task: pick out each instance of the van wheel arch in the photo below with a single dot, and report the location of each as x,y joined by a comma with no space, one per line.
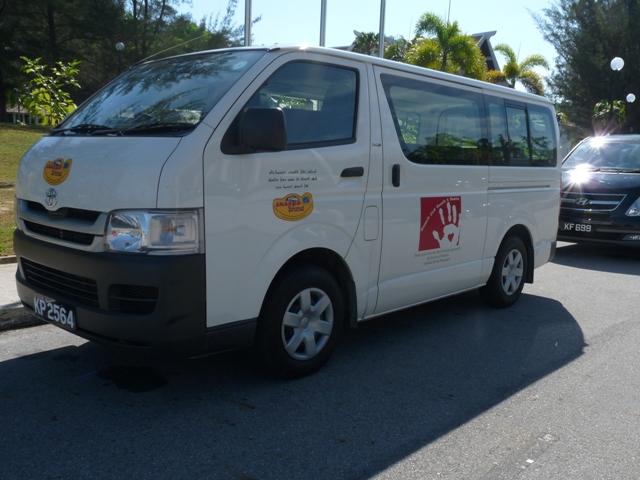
525,235
513,267
335,265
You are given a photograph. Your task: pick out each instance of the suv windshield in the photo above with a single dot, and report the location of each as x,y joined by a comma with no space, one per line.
173,94
601,153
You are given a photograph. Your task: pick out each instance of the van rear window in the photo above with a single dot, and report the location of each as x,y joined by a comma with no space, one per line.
446,125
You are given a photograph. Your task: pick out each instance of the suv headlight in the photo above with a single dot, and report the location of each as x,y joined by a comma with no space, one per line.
634,209
154,232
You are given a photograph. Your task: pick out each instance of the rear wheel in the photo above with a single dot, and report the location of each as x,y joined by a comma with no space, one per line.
301,322
508,275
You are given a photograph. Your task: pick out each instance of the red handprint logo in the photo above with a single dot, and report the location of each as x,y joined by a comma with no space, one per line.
440,222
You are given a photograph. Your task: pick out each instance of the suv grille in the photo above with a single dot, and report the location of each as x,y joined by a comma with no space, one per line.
591,202
80,289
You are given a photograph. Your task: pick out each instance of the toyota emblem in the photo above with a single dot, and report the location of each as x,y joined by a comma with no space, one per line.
51,198
582,201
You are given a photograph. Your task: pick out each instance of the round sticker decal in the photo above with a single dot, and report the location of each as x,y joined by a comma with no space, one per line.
293,207
56,171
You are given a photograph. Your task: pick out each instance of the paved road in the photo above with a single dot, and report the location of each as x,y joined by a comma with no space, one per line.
546,389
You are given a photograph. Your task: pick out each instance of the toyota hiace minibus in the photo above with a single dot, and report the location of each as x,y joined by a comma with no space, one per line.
275,196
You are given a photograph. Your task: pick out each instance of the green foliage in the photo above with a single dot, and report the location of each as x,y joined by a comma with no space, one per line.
88,30
496,76
588,34
397,49
522,72
47,99
14,142
446,48
608,117
367,44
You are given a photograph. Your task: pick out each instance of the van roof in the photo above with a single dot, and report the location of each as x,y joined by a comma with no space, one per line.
498,90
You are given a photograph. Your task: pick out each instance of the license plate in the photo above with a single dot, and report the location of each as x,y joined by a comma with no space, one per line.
55,312
575,227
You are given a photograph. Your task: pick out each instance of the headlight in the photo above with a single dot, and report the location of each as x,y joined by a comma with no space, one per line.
159,232
634,209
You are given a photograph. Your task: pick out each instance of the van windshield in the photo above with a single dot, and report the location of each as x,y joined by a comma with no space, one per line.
160,97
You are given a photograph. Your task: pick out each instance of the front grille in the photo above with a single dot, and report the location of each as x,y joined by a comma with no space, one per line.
68,235
591,202
133,299
81,290
72,213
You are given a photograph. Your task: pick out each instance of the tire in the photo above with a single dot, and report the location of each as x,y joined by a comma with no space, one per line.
301,322
508,275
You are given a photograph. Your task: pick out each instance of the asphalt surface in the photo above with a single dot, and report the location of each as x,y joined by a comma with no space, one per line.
546,389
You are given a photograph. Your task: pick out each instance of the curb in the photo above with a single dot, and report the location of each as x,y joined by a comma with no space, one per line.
8,259
14,316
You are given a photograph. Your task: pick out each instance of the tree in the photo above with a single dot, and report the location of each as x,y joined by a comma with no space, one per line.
59,31
397,49
609,117
88,30
588,34
47,99
446,48
522,72
367,44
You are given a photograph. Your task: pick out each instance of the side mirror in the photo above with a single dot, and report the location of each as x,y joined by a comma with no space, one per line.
264,129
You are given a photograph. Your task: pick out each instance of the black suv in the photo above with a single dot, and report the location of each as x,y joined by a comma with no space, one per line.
601,191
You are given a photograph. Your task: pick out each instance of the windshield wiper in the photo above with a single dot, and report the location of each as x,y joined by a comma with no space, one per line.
160,126
588,170
82,128
147,127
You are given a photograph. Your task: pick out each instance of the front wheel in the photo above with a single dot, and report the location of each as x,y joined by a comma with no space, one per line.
507,277
300,322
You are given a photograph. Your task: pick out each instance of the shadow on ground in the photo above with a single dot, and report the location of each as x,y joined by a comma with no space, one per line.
394,385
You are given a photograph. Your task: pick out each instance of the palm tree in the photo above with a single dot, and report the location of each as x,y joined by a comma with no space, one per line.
367,43
446,48
522,72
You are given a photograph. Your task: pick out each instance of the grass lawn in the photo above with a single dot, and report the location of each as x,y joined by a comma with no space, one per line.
14,141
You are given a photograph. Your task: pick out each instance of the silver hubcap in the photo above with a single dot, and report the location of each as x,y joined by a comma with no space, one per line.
307,324
512,272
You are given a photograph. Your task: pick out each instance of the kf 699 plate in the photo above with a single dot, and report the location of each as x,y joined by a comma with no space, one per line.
48,309
575,227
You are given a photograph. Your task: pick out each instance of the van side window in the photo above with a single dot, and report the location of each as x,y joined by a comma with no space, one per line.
498,136
437,124
519,150
543,136
319,103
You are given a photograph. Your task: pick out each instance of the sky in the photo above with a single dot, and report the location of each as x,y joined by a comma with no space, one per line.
298,21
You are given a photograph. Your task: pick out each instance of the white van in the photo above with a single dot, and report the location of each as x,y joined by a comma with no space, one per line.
211,201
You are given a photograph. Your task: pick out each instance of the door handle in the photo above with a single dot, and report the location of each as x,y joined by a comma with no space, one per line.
352,172
395,175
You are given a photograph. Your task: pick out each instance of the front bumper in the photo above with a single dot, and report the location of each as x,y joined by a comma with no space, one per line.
580,229
135,302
